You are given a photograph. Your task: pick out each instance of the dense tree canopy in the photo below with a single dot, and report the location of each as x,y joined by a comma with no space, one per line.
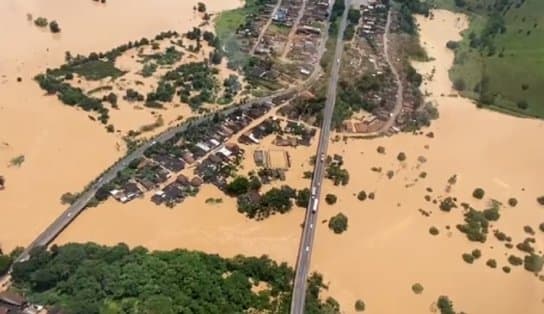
88,278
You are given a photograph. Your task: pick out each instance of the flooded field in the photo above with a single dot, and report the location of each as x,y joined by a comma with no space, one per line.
387,247
61,147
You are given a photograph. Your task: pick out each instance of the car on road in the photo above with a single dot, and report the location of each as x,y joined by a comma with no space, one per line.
322,157
307,249
69,214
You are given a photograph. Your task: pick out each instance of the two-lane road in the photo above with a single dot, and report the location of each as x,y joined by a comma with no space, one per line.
310,222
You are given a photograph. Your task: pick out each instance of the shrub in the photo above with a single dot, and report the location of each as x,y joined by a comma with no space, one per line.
361,196
371,195
478,193
492,214
476,253
445,305
331,199
5,263
41,22
514,260
338,223
506,269
401,156
238,186
381,149
459,84
359,305
68,198
447,204
528,230
54,27
523,104
303,198
512,202
541,227
417,288
452,44
433,230
491,263
540,200
468,258
533,263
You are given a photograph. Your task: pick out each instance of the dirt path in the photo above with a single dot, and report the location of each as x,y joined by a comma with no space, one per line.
400,89
263,31
293,31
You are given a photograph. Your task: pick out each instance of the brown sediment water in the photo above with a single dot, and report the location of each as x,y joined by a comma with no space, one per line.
63,149
387,247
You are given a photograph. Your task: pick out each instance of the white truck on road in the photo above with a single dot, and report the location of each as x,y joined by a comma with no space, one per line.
314,206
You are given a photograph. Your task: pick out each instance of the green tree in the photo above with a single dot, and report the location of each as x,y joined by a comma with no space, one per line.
478,193
445,305
417,288
41,22
361,196
54,27
303,198
331,199
5,263
338,223
360,305
238,186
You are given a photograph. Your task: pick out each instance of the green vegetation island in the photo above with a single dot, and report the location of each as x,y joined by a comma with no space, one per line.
90,278
499,63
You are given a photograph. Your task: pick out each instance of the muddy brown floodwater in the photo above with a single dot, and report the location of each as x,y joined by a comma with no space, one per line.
387,247
63,149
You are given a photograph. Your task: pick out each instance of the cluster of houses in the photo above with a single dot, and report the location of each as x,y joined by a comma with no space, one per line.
14,303
305,45
164,162
374,17
289,133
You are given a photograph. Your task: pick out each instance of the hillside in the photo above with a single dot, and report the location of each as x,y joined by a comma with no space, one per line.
500,61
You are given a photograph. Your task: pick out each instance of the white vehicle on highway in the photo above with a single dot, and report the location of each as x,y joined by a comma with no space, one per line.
311,226
322,157
314,206
307,249
338,60
69,214
313,191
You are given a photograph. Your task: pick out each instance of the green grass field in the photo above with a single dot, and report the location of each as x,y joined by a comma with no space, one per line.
227,23
514,74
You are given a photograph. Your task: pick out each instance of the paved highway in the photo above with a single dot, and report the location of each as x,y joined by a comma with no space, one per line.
310,221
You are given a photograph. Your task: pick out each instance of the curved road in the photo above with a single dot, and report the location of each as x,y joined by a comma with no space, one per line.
310,221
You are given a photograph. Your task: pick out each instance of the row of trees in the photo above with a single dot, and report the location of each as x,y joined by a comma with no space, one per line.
88,278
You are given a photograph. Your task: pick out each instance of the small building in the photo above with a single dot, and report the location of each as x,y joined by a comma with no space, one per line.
188,157
196,182
183,180
12,298
260,158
